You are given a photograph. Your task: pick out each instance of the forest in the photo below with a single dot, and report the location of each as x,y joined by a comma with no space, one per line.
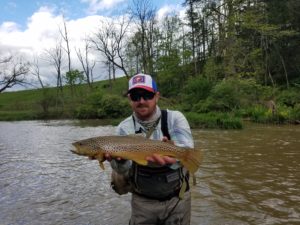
223,62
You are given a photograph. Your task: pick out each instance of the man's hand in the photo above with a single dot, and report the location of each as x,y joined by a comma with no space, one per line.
107,157
162,160
165,139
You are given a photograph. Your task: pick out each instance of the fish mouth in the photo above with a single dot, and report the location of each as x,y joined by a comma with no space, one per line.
74,150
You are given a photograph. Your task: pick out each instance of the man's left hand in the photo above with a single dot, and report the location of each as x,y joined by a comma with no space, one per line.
161,160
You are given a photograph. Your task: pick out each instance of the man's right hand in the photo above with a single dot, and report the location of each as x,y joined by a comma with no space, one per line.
108,157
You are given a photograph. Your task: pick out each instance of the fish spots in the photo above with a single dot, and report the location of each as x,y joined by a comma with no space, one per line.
137,149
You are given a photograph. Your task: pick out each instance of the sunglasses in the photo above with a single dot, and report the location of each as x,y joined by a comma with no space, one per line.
136,96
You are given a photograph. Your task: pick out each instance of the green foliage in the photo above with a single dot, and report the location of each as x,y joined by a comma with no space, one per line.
231,95
214,120
17,115
101,106
113,107
47,100
74,77
213,69
295,113
223,97
197,89
169,74
257,114
261,114
289,97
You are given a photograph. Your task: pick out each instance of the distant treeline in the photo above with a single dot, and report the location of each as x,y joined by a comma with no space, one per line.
228,60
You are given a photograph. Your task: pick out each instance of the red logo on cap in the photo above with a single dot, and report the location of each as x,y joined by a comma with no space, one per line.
138,79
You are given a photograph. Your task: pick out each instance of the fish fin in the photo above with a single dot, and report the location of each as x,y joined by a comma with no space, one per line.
182,189
191,159
194,180
138,157
101,159
142,162
101,165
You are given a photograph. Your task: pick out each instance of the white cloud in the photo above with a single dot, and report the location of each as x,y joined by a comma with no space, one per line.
9,27
96,6
42,33
170,10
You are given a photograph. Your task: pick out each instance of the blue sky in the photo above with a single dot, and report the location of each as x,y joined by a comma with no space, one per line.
29,28
18,11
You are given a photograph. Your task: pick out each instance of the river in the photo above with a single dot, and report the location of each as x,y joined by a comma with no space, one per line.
249,176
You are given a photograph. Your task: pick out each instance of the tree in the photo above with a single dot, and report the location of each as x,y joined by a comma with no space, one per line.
35,70
110,42
86,64
192,15
74,77
64,34
143,14
13,72
55,58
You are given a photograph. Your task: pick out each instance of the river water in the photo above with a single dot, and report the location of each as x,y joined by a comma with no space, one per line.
249,176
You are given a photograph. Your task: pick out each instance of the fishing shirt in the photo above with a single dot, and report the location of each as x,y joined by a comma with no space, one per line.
178,128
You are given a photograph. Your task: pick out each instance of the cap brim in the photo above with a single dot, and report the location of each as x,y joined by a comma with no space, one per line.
142,87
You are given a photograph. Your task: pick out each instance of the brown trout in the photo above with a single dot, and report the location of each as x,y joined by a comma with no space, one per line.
135,148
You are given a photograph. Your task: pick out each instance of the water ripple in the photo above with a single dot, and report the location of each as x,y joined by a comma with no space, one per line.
247,177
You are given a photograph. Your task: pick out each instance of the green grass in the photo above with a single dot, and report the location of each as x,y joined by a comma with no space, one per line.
28,104
214,120
109,106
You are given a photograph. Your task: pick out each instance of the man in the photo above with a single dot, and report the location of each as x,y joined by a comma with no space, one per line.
156,187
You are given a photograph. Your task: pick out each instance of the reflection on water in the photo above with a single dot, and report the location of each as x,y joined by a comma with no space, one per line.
247,177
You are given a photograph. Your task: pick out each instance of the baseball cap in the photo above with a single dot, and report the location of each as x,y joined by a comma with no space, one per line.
143,81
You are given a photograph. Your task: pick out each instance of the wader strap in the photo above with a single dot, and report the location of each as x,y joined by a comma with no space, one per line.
164,123
164,128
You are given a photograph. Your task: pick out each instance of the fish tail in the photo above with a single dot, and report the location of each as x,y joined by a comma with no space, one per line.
191,159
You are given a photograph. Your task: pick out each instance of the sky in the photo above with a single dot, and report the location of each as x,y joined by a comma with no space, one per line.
29,27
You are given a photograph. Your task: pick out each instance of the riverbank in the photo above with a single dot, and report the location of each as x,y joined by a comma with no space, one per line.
107,102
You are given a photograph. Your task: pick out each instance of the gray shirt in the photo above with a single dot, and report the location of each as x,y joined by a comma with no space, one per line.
179,131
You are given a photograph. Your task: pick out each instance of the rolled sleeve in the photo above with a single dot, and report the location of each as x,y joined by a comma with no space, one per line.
180,130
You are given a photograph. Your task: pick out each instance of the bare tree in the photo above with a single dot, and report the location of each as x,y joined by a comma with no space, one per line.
86,64
109,41
55,58
64,35
35,70
12,72
143,13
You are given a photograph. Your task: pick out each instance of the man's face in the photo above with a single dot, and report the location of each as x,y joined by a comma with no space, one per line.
143,102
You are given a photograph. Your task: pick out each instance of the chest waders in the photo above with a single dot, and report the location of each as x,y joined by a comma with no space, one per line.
160,183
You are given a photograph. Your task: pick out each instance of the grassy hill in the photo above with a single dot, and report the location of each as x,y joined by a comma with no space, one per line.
224,105
50,102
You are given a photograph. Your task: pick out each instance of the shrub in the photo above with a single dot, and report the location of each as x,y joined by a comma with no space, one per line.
214,120
196,89
295,113
289,97
86,112
103,107
224,97
113,107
